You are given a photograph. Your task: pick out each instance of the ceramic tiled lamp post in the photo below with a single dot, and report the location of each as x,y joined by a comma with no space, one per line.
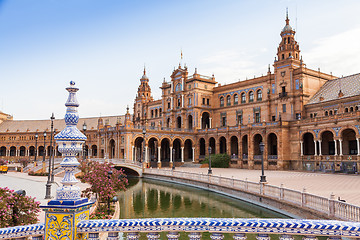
64,212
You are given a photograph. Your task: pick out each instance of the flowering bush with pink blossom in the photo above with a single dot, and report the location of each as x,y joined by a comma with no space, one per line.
102,184
16,209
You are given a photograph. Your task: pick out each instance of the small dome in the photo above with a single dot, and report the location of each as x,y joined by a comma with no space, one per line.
287,28
144,77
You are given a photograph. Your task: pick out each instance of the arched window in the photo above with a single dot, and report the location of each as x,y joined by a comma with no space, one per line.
259,95
236,99
152,113
156,112
351,109
346,110
251,96
356,108
326,113
311,115
160,111
243,98
330,112
228,100
221,101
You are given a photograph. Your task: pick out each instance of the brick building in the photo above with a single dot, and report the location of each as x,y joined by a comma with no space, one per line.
305,118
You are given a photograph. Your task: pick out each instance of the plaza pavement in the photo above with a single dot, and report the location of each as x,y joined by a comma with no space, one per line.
33,185
345,186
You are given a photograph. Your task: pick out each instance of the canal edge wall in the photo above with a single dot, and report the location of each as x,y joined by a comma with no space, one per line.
267,202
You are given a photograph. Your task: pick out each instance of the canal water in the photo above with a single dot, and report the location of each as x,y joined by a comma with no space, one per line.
147,198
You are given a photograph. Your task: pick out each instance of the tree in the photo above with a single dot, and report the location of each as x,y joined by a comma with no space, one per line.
102,184
17,209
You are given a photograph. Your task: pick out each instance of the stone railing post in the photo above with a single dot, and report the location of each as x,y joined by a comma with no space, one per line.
94,236
217,236
113,236
153,236
239,236
286,237
132,236
263,237
246,184
332,205
173,235
303,197
194,235
281,191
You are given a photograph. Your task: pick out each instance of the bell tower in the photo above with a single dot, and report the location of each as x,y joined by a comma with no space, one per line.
143,96
285,87
288,48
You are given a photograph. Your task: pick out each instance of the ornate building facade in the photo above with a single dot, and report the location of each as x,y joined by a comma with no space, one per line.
305,118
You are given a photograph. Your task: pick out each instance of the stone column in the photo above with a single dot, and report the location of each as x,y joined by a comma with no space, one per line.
301,148
159,154
320,154
171,154
358,146
335,147
193,154
182,154
133,153
210,122
315,148
146,154
182,100
340,146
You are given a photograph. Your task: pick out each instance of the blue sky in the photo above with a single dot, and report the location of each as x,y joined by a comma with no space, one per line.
103,46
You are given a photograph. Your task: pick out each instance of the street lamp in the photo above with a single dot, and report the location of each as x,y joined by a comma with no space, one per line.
210,170
109,177
262,177
53,159
144,134
48,184
84,129
44,146
36,138
173,153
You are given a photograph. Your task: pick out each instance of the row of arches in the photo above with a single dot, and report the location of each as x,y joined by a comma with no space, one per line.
31,151
165,151
236,149
346,144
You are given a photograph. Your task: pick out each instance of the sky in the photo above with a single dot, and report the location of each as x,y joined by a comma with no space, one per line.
103,46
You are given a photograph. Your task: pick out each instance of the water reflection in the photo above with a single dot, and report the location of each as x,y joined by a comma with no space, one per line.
154,199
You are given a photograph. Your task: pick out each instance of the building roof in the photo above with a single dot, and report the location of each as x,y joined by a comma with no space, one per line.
349,86
59,124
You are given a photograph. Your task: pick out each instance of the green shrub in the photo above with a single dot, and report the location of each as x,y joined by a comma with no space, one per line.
218,160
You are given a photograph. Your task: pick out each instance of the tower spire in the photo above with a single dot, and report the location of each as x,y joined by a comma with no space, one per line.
287,17
144,69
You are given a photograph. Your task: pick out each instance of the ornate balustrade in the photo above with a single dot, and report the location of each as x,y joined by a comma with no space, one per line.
217,227
35,231
329,206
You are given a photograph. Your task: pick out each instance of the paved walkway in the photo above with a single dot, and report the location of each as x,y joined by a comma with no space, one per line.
33,185
346,187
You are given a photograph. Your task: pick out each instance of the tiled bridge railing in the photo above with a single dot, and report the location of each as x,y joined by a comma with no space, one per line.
194,227
333,208
286,228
